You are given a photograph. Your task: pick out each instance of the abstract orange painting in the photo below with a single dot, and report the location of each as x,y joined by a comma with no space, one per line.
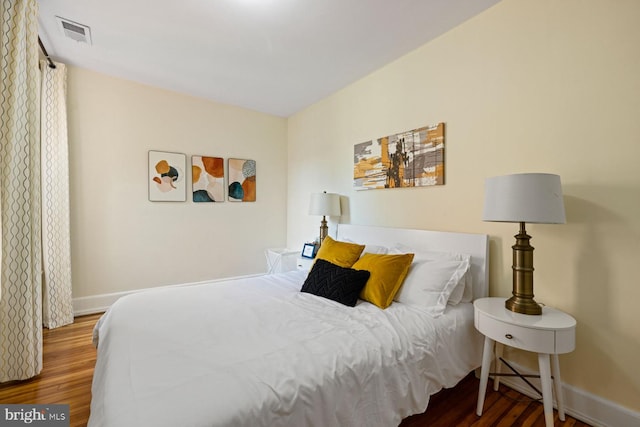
242,180
207,177
167,179
409,159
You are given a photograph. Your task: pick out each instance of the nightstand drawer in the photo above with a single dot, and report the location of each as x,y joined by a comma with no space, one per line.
304,264
530,339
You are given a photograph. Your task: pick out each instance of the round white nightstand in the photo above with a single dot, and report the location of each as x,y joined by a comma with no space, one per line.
549,334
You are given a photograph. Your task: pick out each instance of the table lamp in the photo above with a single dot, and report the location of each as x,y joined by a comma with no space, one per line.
526,197
325,204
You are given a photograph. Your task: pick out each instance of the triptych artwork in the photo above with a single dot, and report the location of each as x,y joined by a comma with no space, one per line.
168,180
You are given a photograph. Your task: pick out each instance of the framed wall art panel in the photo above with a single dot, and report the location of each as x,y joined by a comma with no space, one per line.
207,176
409,159
167,180
242,180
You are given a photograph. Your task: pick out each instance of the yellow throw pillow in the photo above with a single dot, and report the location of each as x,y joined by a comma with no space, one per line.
387,274
339,253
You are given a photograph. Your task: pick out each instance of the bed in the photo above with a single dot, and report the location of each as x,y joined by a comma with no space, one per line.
258,352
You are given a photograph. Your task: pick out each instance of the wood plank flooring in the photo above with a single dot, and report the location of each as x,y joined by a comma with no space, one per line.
69,359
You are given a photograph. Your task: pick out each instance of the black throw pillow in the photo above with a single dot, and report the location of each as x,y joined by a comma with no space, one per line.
336,283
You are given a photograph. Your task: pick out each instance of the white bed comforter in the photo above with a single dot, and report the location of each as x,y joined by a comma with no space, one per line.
257,352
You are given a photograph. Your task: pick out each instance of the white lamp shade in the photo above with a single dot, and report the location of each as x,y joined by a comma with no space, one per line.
325,204
525,197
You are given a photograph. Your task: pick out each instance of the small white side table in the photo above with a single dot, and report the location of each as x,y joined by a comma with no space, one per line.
304,264
549,334
280,260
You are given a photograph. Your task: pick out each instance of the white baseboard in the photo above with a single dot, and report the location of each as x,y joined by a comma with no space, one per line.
580,404
99,303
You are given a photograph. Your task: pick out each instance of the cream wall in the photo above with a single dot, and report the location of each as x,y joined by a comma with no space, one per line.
527,86
120,240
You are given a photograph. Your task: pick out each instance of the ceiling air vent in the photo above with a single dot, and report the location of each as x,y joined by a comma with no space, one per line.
73,30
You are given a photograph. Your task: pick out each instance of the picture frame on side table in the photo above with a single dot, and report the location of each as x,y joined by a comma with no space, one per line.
309,250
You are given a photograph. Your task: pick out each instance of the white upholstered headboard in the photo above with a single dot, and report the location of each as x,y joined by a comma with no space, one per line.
476,245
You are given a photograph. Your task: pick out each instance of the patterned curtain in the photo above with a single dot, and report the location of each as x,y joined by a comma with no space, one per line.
57,303
20,253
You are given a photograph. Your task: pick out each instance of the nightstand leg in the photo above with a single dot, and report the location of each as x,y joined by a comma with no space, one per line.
545,379
496,378
557,383
487,352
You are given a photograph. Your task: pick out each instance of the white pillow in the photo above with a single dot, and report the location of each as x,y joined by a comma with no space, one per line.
430,283
375,249
371,249
463,291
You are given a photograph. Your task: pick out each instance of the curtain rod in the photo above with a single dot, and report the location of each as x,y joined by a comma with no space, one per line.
46,55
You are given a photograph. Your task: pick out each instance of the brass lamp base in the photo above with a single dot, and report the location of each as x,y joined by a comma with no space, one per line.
324,229
522,300
523,305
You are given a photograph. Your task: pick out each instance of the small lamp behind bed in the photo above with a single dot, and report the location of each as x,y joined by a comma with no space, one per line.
325,204
525,197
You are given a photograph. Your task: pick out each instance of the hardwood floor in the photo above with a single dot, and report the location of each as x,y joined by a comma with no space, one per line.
503,408
69,359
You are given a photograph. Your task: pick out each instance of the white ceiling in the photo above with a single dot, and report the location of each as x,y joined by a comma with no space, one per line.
273,56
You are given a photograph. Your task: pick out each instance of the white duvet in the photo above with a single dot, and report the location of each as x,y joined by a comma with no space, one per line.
257,352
